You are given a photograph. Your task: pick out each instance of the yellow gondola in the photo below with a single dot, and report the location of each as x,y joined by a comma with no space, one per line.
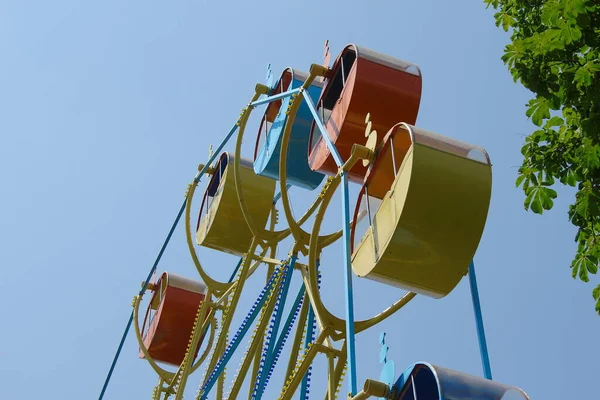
432,195
221,224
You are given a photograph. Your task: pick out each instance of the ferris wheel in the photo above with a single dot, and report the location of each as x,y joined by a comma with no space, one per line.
416,223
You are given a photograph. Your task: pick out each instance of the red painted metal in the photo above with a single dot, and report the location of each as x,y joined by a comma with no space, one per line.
176,301
360,82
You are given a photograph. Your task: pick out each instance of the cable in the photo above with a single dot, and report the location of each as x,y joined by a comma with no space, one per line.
142,290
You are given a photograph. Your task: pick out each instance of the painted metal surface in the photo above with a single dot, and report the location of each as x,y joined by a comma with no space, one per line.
349,297
431,211
172,311
349,294
362,81
483,350
221,224
268,141
426,381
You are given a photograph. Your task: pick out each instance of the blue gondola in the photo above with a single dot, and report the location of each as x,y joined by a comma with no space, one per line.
268,142
426,381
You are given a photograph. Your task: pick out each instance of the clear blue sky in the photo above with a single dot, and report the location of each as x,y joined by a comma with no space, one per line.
106,108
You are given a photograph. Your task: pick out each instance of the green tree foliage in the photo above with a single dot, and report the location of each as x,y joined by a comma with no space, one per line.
555,53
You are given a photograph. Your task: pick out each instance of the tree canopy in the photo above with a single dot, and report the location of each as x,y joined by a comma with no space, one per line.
555,53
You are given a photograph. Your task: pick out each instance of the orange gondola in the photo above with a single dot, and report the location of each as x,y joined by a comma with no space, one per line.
170,317
362,81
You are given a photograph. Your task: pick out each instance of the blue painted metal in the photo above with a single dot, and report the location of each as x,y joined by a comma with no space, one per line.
287,328
350,344
241,332
278,195
141,293
309,338
215,154
275,97
269,78
268,353
443,383
483,350
116,357
388,371
319,123
267,157
235,271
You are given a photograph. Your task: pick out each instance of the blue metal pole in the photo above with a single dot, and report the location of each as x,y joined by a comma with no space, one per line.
162,250
285,332
351,348
141,293
330,145
350,345
485,358
310,337
237,338
290,319
269,353
275,97
114,362
235,271
307,340
216,153
278,195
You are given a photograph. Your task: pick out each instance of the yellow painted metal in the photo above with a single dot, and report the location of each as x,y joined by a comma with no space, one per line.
330,376
298,337
338,374
164,374
306,359
256,339
221,341
324,317
430,222
216,286
224,227
187,363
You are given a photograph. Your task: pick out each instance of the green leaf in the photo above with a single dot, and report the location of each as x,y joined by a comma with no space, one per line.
581,267
570,33
550,14
538,110
596,293
583,77
493,3
539,199
520,180
534,180
504,19
513,52
578,5
554,121
552,40
569,178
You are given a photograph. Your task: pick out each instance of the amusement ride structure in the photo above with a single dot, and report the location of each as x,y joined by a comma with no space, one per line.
352,123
